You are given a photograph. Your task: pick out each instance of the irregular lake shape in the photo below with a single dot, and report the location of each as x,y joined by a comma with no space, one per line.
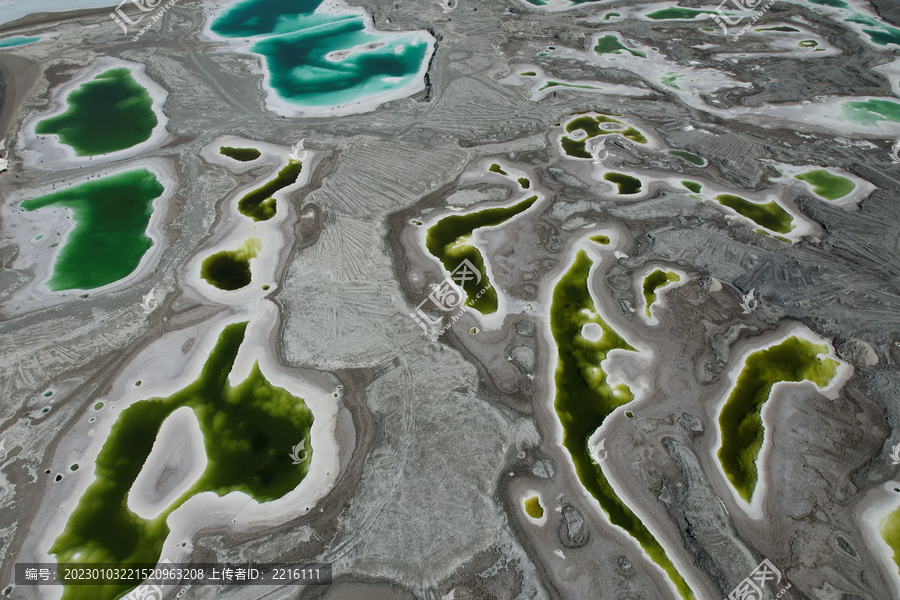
626,184
321,54
259,204
111,112
591,126
870,112
241,154
533,507
249,432
653,283
584,398
890,532
109,236
450,241
827,185
230,269
693,186
740,422
610,44
769,215
18,40
691,158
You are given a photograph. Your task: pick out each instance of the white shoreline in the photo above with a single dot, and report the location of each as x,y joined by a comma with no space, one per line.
877,504
58,156
660,302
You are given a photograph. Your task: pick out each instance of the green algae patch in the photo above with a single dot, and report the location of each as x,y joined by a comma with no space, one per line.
249,432
259,204
533,507
584,398
109,113
591,125
230,269
528,74
626,184
676,12
890,533
111,215
653,282
693,186
827,185
870,112
241,154
610,44
450,241
600,239
691,158
769,215
523,181
495,168
610,15
807,43
551,84
740,421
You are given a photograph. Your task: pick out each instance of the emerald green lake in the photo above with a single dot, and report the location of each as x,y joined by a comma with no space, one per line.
109,113
591,125
740,422
449,240
249,431
109,238
692,186
296,42
827,185
653,282
626,184
230,269
676,12
691,158
584,398
259,204
870,112
769,215
610,44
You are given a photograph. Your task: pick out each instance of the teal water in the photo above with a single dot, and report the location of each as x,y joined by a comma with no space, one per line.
295,43
108,113
18,41
870,112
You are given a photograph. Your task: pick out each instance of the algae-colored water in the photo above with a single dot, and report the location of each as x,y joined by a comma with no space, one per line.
740,421
249,432
692,186
691,158
676,12
111,215
18,40
600,239
259,204
610,44
653,282
870,112
533,507
591,125
109,113
241,154
769,215
890,533
230,269
626,184
449,240
827,185
495,168
297,43
584,398
551,84
781,28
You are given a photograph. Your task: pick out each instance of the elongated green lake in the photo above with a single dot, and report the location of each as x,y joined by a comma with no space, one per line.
259,204
230,269
450,241
769,215
325,58
652,282
890,533
249,432
584,398
827,185
109,237
740,421
109,113
241,154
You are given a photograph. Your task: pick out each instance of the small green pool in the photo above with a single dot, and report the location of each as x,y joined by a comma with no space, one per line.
827,185
653,282
230,269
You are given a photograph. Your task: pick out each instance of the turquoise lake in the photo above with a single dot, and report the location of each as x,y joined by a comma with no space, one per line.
296,42
18,40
